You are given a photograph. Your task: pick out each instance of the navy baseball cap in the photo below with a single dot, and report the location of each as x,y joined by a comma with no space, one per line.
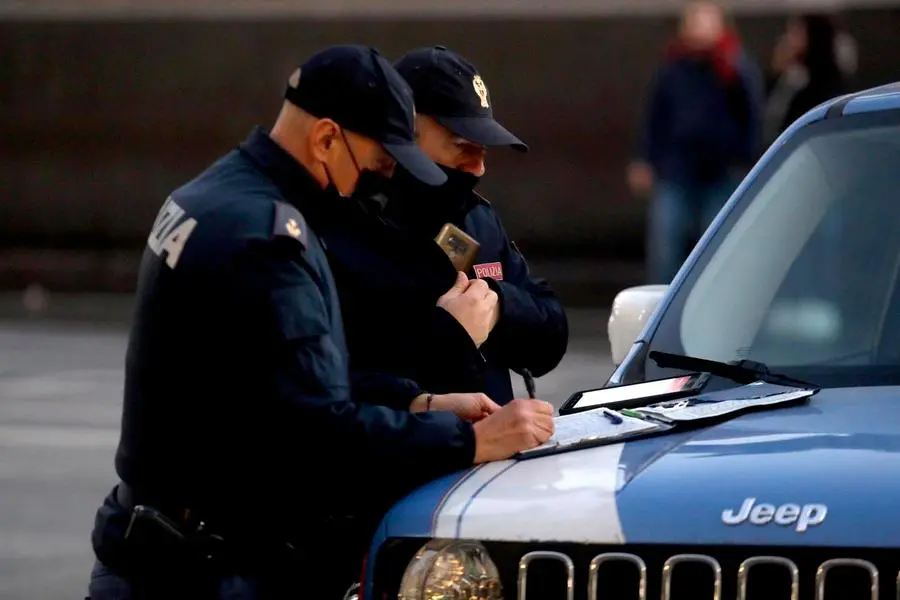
358,89
449,89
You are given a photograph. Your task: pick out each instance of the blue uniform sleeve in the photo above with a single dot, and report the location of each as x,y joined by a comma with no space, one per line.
375,387
441,350
435,349
532,331
312,382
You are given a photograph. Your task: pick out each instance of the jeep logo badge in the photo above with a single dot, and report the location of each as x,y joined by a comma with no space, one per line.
802,517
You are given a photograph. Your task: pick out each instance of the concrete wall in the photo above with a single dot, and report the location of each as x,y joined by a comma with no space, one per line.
99,120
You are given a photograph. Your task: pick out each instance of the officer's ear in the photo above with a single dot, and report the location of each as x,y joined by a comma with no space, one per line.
323,139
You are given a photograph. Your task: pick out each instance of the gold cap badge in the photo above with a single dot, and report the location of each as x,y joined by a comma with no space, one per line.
481,90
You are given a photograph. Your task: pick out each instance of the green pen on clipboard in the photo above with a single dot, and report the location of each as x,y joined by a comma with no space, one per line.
651,418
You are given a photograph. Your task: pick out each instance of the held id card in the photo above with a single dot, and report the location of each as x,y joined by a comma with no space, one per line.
460,247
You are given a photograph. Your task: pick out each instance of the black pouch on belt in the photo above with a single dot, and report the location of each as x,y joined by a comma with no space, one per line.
161,543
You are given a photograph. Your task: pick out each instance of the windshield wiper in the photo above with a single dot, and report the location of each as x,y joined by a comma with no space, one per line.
742,371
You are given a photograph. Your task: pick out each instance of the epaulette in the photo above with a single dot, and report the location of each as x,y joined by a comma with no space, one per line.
289,222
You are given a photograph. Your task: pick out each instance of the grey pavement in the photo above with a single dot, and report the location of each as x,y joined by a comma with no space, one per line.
60,397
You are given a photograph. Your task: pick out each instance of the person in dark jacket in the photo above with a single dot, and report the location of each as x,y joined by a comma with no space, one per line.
241,449
394,245
702,126
806,71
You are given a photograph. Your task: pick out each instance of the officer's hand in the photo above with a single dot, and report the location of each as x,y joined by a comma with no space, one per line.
472,304
471,407
640,178
520,425
495,315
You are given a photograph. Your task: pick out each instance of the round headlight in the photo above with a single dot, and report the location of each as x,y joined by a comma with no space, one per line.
451,570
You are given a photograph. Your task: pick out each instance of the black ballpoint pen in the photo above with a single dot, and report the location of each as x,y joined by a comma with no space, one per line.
529,383
613,417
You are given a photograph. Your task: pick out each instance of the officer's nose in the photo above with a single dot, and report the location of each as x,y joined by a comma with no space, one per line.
475,167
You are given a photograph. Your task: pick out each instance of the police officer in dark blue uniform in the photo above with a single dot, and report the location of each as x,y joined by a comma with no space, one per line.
393,247
241,448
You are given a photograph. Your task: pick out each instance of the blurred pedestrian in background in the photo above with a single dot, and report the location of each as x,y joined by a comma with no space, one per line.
812,62
806,70
847,51
702,125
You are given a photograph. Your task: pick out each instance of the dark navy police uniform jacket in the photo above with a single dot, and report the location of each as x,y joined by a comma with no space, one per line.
237,392
390,274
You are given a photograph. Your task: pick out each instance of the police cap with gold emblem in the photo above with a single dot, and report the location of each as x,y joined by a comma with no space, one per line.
448,88
357,88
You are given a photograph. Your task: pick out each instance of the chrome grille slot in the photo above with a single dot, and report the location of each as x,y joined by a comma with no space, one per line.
680,559
600,559
526,561
855,563
757,561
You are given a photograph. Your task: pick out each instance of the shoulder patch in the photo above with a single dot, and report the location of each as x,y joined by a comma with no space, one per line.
289,222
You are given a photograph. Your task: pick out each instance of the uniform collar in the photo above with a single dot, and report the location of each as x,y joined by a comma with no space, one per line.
292,178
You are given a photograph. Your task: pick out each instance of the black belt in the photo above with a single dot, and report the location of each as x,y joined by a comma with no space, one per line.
241,547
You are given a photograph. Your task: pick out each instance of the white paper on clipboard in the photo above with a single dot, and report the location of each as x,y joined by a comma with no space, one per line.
595,425
707,407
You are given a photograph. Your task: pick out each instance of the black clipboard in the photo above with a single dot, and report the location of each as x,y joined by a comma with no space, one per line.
593,442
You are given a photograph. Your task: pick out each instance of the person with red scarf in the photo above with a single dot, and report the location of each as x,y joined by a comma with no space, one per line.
703,121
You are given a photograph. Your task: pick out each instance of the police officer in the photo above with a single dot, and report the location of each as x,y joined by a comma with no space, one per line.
526,330
456,126
240,443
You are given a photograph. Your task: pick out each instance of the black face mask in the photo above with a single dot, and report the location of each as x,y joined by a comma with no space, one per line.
422,205
370,189
458,182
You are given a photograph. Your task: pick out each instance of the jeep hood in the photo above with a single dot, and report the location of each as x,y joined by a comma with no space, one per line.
835,460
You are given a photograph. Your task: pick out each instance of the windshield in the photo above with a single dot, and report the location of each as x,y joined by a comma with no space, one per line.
803,274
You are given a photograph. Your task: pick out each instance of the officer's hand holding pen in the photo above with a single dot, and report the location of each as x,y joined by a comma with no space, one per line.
520,425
